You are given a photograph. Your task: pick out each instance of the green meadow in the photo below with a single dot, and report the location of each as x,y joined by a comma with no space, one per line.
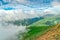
40,27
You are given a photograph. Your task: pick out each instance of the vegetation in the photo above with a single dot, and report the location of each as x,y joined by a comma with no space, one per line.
40,27
34,32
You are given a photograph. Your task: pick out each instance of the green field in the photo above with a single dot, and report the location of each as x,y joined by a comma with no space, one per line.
35,32
39,28
36,29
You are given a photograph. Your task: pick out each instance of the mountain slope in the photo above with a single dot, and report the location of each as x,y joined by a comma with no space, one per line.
52,34
40,27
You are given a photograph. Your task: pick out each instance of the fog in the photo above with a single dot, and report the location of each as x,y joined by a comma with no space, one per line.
9,31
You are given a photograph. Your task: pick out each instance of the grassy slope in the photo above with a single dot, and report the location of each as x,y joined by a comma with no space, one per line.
35,32
53,35
38,28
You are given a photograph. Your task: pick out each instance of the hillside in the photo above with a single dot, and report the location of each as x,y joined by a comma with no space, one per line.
52,34
36,29
40,27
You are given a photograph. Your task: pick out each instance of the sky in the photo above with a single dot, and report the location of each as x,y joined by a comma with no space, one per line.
11,10
36,6
27,4
30,5
29,8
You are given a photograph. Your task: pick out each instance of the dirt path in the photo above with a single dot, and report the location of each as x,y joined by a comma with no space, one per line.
53,34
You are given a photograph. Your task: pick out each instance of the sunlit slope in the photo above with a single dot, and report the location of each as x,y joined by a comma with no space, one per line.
52,34
47,21
40,27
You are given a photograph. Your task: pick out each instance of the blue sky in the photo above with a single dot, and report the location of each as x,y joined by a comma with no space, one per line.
41,2
34,4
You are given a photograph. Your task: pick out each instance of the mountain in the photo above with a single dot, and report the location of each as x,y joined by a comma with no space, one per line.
18,17
40,27
51,35
26,22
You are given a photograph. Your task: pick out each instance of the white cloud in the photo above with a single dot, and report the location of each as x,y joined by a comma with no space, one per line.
49,11
32,11
17,4
14,1
53,10
55,3
17,14
21,0
7,1
10,30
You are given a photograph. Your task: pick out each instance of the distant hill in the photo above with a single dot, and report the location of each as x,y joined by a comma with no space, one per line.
26,22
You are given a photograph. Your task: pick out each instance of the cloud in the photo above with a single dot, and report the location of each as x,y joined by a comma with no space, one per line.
27,3
53,10
10,30
17,4
21,0
7,0
55,3
17,14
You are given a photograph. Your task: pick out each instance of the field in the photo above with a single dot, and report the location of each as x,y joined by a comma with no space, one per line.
53,34
40,27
